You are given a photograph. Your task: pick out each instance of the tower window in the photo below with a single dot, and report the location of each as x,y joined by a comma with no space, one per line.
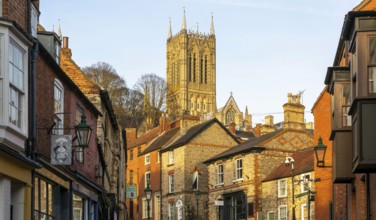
201,70
206,69
194,67
190,68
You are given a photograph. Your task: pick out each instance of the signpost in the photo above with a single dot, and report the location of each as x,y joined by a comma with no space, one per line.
131,191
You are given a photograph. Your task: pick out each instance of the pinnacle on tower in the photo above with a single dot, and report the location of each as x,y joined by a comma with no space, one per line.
184,23
169,30
212,32
59,31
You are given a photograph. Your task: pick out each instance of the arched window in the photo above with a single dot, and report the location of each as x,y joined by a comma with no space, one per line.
206,69
190,68
194,67
201,70
230,116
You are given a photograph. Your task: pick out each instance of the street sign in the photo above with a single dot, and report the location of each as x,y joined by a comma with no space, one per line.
131,192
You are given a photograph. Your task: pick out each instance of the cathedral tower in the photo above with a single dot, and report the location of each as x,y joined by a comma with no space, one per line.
190,71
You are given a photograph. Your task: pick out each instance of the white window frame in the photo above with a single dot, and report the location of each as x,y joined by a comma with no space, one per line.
280,195
21,89
146,178
238,169
302,183
279,212
59,117
302,207
220,174
147,159
171,211
171,183
34,20
77,210
268,217
145,207
171,158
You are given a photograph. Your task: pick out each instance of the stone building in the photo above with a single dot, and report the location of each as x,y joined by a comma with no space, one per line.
110,167
235,175
277,189
191,71
184,176
230,113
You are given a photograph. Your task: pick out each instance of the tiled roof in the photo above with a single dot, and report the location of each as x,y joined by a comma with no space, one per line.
162,140
148,136
304,163
249,145
195,130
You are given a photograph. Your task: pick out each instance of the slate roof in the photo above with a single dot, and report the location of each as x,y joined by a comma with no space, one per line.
245,134
148,136
194,131
250,145
304,163
161,141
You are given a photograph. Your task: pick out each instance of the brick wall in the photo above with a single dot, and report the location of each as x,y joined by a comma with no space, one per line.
322,121
16,10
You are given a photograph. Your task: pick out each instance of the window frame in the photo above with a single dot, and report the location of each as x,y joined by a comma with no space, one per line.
171,157
279,212
145,207
131,154
268,217
220,174
280,195
371,65
171,183
171,211
302,183
147,159
238,170
146,175
58,114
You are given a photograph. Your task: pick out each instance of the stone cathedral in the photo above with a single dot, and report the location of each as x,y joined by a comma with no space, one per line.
190,71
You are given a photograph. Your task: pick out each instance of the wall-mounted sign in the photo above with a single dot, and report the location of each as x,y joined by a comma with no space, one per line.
61,149
131,192
218,202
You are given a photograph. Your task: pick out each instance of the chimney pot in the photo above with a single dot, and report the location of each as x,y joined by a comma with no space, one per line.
65,42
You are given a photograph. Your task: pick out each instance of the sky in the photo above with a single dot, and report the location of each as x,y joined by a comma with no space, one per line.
265,48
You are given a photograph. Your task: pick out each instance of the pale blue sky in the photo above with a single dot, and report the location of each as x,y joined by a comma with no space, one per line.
265,48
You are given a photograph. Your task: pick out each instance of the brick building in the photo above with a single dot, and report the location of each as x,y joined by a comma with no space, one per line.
18,24
277,189
110,144
235,188
351,84
184,176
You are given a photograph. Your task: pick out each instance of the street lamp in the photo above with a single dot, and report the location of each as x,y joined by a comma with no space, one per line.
83,132
197,194
148,198
320,150
290,161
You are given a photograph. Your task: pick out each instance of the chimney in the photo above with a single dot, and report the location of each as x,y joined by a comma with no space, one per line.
293,112
257,130
65,42
269,120
231,127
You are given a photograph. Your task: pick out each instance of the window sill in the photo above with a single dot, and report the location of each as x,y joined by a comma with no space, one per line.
237,181
170,164
219,185
282,197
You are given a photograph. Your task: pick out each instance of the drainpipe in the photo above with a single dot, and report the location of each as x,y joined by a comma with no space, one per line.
368,209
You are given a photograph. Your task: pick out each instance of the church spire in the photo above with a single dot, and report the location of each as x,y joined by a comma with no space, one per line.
212,32
246,111
184,24
59,31
169,30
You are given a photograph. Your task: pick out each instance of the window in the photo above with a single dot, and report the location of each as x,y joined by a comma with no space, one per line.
147,179
190,68
79,151
43,199
171,186
138,151
304,211
206,69
305,182
372,65
194,67
220,174
59,107
238,207
230,116
282,212
131,176
77,213
270,215
158,157
201,70
16,84
282,188
345,102
171,211
147,159
34,21
239,169
145,207
171,157
131,154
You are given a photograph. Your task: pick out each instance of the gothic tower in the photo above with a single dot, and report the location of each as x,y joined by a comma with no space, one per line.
191,77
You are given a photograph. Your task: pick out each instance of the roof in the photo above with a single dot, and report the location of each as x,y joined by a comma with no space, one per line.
162,140
194,131
319,98
148,136
245,134
247,146
304,163
107,102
